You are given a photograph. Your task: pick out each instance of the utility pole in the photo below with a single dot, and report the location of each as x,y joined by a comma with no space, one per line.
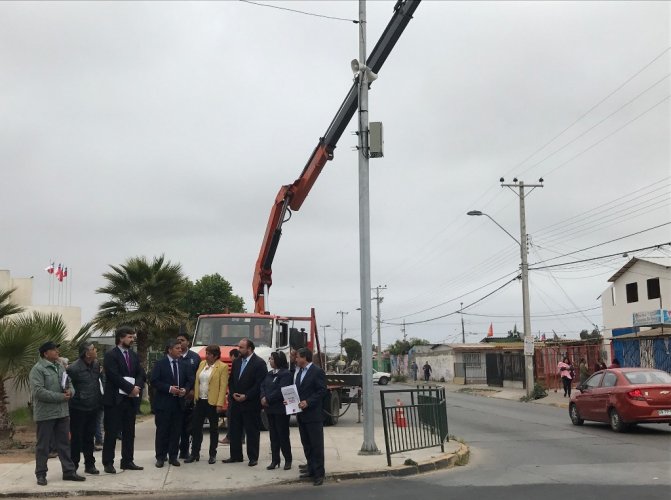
368,447
379,334
325,348
342,316
403,330
461,312
524,251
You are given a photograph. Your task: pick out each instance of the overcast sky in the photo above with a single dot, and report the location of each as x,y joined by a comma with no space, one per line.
146,128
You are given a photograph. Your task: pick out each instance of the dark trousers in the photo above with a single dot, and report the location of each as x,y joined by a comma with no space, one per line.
54,431
312,439
566,382
119,417
250,423
202,411
187,420
82,434
168,429
278,427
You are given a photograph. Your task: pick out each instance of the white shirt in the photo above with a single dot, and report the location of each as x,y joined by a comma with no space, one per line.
204,381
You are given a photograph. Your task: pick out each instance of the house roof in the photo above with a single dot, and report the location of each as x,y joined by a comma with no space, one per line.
662,262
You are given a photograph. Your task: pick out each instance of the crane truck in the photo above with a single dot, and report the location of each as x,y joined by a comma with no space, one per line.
268,331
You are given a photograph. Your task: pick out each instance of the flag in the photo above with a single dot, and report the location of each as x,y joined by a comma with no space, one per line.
490,332
59,272
50,268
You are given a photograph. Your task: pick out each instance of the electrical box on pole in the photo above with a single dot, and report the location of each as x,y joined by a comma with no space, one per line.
375,140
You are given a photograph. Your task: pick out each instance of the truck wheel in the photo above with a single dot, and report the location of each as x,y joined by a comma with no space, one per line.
333,407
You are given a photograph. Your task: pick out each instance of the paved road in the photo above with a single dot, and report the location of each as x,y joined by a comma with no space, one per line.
523,451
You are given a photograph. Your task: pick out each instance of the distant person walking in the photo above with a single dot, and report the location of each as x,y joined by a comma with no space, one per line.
414,369
427,371
50,392
583,370
565,370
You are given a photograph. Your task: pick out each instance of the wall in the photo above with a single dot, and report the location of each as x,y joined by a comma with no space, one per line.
441,360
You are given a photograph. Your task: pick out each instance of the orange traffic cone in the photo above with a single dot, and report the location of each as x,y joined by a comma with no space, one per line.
400,420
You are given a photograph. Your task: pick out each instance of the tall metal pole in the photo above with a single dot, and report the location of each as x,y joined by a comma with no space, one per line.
368,446
379,334
342,316
463,332
528,337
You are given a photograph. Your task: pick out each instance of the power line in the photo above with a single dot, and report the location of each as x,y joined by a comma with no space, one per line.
533,315
604,243
599,258
300,11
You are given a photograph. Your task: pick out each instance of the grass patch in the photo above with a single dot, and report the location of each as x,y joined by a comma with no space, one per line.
463,459
539,392
452,437
21,416
476,390
145,407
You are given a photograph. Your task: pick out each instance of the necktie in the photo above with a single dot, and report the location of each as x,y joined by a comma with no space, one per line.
299,377
125,355
174,372
242,367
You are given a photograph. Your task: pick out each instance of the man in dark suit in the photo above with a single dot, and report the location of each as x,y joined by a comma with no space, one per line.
124,380
172,381
192,361
311,384
244,399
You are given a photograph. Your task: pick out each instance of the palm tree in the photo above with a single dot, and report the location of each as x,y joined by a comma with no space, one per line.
6,307
145,295
20,339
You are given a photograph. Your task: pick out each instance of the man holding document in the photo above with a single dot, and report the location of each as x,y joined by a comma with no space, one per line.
124,380
310,382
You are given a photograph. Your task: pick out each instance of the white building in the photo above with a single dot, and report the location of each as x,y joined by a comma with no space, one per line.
23,296
642,285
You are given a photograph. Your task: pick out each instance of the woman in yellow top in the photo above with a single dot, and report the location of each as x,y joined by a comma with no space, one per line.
209,395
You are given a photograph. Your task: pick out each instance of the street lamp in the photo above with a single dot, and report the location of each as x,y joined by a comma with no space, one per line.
529,363
325,348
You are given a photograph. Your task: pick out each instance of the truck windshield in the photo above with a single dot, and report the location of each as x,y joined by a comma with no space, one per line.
228,331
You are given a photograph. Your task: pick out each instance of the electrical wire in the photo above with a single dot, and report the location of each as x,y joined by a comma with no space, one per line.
295,11
598,258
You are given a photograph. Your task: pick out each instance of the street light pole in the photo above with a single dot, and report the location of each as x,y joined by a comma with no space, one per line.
524,267
325,347
342,316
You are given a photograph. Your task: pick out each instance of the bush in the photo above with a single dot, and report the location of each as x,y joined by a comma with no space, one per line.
539,392
21,416
399,378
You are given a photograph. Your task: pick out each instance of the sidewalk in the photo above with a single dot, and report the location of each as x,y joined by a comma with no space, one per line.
342,444
552,399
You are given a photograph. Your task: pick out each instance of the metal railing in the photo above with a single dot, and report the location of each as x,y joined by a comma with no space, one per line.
418,422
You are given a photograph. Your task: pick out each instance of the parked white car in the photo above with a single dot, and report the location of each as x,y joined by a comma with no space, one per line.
381,378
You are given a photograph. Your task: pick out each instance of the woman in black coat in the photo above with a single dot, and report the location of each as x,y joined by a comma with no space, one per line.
273,402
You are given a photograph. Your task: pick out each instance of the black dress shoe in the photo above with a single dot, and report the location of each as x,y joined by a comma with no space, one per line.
183,456
305,475
318,481
302,467
174,462
231,460
91,470
131,466
42,480
192,458
287,465
273,465
252,463
212,460
159,463
73,476
109,469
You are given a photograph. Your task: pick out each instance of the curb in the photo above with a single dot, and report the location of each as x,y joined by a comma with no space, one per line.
458,458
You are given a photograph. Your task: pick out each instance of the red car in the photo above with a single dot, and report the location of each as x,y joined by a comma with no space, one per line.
623,397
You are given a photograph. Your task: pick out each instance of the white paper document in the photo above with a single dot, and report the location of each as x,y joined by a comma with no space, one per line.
132,381
290,393
64,381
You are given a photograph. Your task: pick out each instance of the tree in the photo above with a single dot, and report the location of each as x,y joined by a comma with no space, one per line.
352,349
403,346
145,295
211,294
8,308
20,339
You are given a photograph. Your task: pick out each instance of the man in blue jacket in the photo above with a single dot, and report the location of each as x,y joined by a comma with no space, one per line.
171,380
